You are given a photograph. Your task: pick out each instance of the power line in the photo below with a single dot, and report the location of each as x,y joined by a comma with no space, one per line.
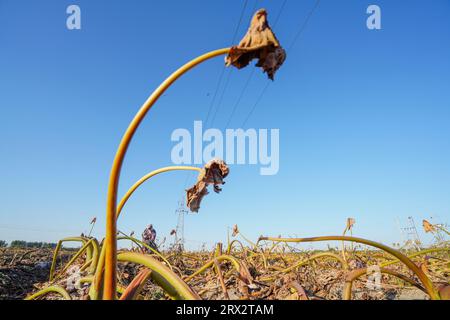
189,176
239,23
279,13
296,37
215,94
223,68
227,81
38,230
221,97
244,89
256,103
254,6
252,73
305,23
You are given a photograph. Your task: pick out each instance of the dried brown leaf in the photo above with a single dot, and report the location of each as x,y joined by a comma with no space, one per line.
428,227
213,173
235,231
259,43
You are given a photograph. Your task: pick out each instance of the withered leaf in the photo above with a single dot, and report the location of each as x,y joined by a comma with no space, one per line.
259,43
213,173
428,227
235,231
350,223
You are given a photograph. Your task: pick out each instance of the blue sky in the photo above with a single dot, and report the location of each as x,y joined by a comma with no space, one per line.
363,116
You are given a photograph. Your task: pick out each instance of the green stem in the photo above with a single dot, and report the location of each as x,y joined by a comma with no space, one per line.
58,248
75,257
411,265
315,257
210,263
56,289
355,274
388,263
176,288
156,252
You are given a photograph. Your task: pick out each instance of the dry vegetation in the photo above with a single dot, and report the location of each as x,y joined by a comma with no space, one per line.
24,270
265,270
270,268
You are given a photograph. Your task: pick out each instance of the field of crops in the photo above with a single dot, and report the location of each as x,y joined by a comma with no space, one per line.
267,268
239,270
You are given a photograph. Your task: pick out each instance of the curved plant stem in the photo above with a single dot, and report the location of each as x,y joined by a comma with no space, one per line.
315,257
87,264
95,289
78,254
138,183
58,248
176,288
442,229
218,251
262,254
411,265
135,287
308,260
87,279
249,241
156,252
230,246
388,263
95,255
56,289
274,245
222,282
210,263
94,292
355,274
92,227
343,246
111,204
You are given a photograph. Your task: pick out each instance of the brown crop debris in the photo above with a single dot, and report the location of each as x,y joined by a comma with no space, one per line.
213,173
259,43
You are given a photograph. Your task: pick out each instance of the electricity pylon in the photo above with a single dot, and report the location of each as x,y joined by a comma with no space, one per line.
411,234
179,232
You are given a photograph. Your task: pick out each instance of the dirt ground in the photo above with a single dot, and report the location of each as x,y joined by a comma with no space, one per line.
24,271
21,270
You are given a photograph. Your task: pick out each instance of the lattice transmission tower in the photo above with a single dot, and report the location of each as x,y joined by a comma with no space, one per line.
179,232
411,236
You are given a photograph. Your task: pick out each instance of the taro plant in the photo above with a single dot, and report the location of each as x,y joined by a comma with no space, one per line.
256,271
259,43
426,282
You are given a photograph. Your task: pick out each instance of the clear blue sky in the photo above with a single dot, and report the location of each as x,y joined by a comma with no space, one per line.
363,116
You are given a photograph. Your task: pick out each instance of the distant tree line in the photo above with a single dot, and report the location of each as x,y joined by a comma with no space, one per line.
26,244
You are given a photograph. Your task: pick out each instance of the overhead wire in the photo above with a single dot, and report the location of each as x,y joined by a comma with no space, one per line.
223,68
244,89
296,37
190,175
227,81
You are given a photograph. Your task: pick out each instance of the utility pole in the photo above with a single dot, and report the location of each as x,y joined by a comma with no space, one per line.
410,231
179,232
